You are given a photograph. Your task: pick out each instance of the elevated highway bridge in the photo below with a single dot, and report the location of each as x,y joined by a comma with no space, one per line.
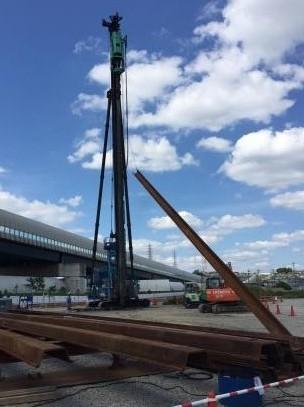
32,248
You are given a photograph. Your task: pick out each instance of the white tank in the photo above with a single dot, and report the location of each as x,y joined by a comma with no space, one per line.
154,286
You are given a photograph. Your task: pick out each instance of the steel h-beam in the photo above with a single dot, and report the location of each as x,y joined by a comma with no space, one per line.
117,68
260,311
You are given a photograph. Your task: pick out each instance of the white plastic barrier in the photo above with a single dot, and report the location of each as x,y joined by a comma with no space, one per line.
239,392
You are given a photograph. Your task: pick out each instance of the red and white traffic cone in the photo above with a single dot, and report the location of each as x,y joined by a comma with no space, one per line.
292,313
212,402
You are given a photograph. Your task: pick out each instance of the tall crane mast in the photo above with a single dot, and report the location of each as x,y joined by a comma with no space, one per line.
117,52
122,291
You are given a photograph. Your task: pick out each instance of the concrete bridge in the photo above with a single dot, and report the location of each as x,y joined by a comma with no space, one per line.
32,248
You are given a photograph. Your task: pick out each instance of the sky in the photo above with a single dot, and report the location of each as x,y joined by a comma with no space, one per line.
215,101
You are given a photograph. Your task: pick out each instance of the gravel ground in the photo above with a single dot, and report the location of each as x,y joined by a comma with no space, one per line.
163,390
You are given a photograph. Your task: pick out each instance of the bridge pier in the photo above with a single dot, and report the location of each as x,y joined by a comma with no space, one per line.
74,276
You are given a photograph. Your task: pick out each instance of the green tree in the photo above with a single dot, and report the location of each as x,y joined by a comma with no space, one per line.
51,290
284,270
35,283
282,284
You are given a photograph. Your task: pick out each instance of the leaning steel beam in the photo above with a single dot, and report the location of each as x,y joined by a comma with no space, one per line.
167,354
260,311
28,349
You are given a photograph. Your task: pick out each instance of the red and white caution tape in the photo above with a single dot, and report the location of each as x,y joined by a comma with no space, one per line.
239,392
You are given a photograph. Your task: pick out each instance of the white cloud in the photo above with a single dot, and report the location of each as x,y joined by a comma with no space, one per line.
229,83
264,245
266,31
153,154
278,240
3,170
159,247
91,44
208,103
88,146
268,159
216,228
164,222
85,102
73,201
149,77
217,144
50,213
290,200
288,238
243,74
229,223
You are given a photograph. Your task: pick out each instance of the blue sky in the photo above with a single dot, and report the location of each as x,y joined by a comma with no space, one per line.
216,121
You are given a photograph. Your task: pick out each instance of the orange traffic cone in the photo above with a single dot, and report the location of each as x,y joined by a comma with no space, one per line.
212,402
278,311
292,313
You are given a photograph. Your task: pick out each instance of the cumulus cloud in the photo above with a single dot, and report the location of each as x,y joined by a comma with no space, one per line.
229,83
152,154
213,229
289,200
217,144
228,223
86,102
289,237
73,201
164,222
268,159
240,73
264,244
280,28
278,240
149,77
48,212
91,44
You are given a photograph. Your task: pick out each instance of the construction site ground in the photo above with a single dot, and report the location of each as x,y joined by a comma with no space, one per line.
163,390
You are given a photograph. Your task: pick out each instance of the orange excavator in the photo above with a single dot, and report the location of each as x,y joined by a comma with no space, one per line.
217,297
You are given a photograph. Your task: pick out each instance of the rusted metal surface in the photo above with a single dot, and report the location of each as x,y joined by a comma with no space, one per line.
272,324
28,349
174,346
250,347
167,354
296,342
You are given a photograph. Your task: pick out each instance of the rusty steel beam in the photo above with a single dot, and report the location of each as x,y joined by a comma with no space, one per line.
217,348
167,354
271,323
296,342
252,348
28,349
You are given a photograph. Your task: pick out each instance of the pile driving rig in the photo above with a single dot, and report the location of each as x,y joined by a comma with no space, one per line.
119,288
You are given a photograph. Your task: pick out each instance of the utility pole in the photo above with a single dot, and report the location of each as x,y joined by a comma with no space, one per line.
149,251
117,50
174,258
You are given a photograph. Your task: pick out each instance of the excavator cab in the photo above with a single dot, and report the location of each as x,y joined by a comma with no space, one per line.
214,283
